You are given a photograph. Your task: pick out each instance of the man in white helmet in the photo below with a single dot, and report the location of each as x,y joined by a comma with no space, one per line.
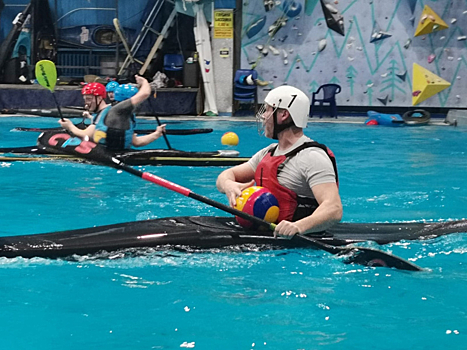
301,173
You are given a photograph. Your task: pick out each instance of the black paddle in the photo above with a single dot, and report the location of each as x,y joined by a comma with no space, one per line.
159,123
359,255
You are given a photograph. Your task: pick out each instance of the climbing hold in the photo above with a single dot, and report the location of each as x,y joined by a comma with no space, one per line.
255,27
426,84
291,8
431,58
334,20
407,43
384,101
429,22
402,76
377,34
274,51
322,45
278,24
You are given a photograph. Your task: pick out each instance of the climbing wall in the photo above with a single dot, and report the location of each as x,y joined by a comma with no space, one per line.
368,47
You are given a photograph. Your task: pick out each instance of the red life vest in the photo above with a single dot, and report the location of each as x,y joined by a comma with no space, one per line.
292,207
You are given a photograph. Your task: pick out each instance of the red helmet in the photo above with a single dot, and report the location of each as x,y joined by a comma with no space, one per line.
96,89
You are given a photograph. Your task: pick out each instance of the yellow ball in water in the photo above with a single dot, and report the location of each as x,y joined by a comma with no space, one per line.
230,138
259,202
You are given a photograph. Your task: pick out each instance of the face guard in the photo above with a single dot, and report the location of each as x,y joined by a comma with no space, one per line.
261,120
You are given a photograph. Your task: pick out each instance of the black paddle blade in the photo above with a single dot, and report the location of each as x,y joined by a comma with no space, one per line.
377,258
363,256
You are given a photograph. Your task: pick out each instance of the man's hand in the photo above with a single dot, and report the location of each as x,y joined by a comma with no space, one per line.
160,129
140,80
87,115
65,123
234,189
286,229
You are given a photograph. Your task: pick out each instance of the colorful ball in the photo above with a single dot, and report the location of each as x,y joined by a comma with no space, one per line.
259,202
230,138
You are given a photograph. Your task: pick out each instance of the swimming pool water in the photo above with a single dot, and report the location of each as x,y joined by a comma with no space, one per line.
295,299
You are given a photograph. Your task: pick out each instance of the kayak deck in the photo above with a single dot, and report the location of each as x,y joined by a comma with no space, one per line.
132,157
205,232
135,160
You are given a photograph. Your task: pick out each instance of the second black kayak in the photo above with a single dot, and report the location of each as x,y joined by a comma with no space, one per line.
49,150
138,131
203,232
158,157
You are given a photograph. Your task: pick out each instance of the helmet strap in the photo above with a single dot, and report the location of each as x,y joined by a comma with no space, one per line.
278,128
98,104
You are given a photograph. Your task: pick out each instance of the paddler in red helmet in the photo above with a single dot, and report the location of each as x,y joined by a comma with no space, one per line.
113,125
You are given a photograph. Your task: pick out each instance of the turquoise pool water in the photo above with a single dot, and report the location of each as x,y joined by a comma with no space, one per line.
296,299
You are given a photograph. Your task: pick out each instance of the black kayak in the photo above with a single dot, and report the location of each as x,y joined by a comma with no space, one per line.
138,131
212,159
204,232
43,112
51,151
143,157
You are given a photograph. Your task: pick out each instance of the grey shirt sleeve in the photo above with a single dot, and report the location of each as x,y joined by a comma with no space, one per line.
119,116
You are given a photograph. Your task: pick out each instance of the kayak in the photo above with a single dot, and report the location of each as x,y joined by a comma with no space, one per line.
154,161
43,112
48,149
138,131
205,232
143,157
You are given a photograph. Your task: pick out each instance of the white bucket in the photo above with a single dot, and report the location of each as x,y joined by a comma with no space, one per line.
108,65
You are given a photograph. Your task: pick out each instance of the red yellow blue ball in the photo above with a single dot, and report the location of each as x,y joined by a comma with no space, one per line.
230,138
257,201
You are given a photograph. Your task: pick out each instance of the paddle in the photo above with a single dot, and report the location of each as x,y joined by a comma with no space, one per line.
46,75
360,255
164,133
159,123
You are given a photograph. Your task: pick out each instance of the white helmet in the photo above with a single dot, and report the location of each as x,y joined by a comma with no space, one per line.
293,100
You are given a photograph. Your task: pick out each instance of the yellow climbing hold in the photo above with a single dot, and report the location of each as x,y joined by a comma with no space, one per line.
426,84
429,22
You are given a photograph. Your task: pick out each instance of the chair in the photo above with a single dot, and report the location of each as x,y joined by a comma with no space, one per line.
173,68
243,90
329,97
173,62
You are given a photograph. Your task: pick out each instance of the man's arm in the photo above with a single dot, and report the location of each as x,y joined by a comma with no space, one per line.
68,125
234,180
328,213
143,93
140,141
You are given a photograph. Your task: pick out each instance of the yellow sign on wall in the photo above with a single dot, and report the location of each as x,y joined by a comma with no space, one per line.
223,24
